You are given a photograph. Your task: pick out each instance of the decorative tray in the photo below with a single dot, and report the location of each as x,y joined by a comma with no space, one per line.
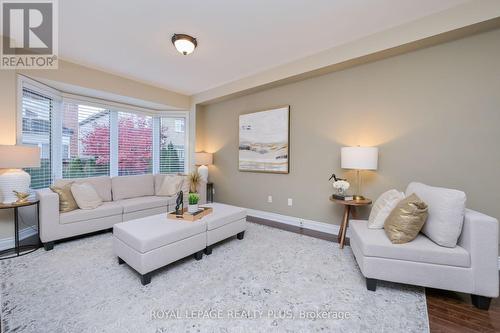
202,212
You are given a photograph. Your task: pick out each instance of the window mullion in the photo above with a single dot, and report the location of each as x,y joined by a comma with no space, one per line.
113,144
156,144
56,140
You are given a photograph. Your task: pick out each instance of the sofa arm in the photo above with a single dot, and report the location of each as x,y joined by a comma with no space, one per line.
480,238
49,214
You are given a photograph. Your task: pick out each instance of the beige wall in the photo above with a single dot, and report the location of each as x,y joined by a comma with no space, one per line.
434,113
7,107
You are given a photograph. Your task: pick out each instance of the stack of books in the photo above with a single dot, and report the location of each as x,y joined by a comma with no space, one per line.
343,197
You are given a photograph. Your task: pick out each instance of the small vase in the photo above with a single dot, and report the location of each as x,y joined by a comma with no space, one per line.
192,208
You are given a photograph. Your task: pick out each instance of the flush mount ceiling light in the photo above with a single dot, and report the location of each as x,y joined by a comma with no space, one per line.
185,44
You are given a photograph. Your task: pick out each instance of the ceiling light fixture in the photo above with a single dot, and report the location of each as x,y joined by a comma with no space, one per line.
185,44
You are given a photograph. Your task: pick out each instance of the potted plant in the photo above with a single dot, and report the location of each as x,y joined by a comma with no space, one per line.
193,199
194,181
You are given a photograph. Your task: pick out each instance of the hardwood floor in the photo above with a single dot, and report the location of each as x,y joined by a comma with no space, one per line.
449,312
453,312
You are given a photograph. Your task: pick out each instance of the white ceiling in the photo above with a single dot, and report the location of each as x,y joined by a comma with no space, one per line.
236,38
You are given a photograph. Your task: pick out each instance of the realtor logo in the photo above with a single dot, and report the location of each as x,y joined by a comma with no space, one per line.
29,34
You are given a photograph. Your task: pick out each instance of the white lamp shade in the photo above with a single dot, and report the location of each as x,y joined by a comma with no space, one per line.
17,157
359,158
203,158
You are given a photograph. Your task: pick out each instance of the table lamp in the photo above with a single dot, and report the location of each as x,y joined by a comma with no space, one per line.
359,158
203,159
12,177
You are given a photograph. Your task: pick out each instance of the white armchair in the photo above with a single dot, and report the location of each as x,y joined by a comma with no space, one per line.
470,267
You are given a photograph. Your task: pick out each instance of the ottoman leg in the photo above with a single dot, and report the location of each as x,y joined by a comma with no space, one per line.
208,250
240,235
198,255
145,278
371,284
120,261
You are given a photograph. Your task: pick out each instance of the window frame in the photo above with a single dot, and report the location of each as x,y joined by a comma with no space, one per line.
114,108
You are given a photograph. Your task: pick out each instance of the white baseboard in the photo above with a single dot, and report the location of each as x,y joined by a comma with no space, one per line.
303,223
9,243
332,229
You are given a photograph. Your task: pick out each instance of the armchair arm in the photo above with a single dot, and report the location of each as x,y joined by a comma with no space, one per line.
480,238
49,214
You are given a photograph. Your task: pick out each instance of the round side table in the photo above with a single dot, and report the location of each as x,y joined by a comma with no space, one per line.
22,249
348,205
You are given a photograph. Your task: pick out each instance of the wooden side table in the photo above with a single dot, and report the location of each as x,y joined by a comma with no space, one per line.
348,205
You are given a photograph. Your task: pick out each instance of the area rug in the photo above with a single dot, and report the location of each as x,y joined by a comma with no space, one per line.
272,281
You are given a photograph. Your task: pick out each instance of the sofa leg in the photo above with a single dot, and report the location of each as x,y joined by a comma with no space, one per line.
208,250
145,278
120,261
48,246
198,255
240,235
481,302
371,284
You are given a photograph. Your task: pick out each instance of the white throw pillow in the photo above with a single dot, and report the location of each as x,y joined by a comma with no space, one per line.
382,207
86,196
446,212
170,186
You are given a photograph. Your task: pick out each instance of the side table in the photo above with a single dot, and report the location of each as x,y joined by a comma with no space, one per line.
210,192
20,249
348,205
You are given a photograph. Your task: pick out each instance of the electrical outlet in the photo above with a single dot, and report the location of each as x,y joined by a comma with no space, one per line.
269,198
290,202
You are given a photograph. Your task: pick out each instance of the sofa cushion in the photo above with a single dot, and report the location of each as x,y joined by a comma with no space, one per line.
149,233
382,207
159,182
223,214
124,187
374,243
101,184
142,203
79,215
170,186
446,212
86,196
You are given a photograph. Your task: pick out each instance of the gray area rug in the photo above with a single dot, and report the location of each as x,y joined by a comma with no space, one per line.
272,281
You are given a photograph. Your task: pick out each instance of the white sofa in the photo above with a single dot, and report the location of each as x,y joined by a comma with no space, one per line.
470,267
124,198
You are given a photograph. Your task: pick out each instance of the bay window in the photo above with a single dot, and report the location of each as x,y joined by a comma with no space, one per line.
84,137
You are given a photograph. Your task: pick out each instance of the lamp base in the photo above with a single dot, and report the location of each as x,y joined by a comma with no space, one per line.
358,197
13,180
203,171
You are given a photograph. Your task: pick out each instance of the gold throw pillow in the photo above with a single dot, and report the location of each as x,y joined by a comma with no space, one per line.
67,202
406,220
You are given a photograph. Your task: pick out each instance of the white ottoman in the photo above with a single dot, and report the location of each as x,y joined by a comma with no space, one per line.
149,243
224,222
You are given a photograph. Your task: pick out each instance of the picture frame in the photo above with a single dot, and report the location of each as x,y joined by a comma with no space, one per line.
264,141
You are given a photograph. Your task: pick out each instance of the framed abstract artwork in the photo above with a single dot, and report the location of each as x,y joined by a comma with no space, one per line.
264,140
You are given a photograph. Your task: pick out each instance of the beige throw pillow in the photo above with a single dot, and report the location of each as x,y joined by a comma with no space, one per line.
86,196
170,186
406,220
67,202
382,207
